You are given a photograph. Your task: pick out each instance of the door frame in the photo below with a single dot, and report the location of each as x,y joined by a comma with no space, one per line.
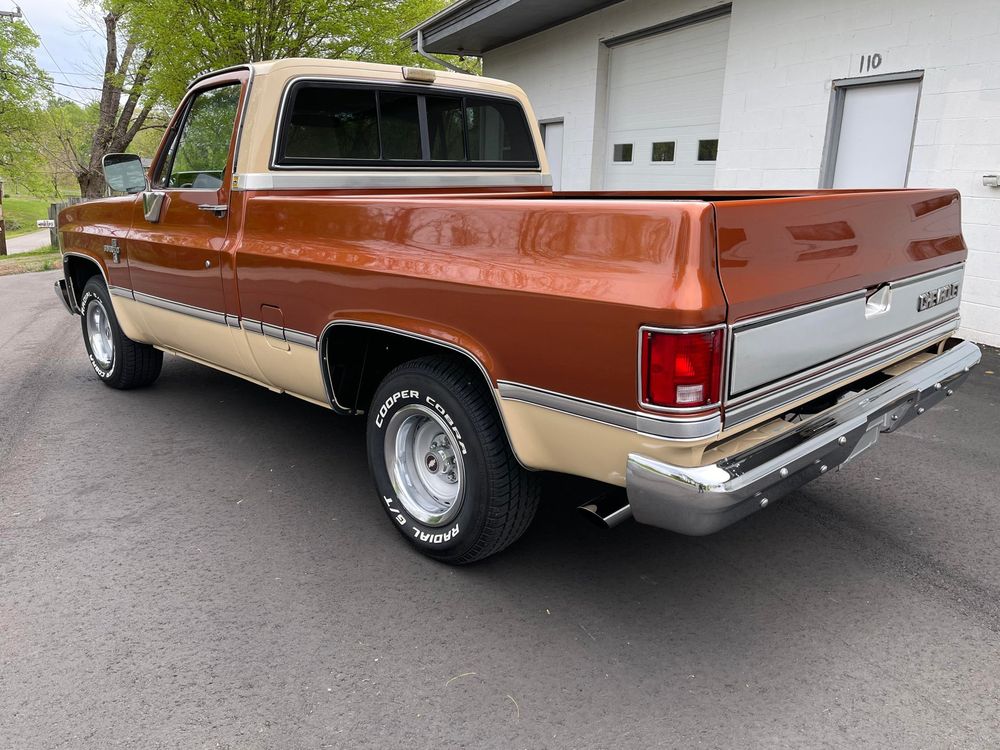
542,126
835,118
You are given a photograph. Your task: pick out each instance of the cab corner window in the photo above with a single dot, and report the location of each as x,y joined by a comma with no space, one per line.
198,157
497,132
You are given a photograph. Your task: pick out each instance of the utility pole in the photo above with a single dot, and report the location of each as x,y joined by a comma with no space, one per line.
16,13
3,234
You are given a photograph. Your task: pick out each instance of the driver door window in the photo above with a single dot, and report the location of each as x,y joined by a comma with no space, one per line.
198,158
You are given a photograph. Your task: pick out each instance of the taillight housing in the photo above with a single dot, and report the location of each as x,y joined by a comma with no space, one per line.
681,370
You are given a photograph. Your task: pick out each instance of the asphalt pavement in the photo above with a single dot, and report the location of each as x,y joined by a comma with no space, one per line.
204,564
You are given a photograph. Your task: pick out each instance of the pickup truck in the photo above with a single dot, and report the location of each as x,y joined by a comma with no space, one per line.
384,241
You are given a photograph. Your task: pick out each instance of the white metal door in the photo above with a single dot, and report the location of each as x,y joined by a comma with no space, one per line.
876,135
664,106
552,133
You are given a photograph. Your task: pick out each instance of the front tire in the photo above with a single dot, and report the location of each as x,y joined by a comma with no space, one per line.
118,361
439,456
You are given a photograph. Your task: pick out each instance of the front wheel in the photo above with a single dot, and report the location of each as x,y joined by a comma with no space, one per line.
118,361
444,471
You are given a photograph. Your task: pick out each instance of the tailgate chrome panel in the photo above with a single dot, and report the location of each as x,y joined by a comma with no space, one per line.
786,391
784,344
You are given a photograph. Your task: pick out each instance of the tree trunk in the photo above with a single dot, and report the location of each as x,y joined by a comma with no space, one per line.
91,184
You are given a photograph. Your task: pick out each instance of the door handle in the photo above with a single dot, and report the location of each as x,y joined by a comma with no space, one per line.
219,209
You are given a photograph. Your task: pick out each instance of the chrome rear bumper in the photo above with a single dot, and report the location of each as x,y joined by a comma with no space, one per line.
705,499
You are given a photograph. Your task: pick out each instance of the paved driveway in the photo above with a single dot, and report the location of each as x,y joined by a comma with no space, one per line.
27,242
203,564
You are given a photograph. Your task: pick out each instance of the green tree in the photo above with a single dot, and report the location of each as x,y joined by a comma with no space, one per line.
190,37
22,84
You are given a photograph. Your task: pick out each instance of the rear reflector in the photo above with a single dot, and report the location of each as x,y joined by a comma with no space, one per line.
681,370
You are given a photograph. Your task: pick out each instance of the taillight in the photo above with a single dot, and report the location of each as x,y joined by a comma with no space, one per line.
681,370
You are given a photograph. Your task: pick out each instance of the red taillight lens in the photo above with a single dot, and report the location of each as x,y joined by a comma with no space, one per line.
681,370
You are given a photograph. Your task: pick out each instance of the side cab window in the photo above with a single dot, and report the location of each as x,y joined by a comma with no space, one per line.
199,152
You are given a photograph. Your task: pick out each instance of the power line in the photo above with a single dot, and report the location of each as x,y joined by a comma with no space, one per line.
42,42
53,81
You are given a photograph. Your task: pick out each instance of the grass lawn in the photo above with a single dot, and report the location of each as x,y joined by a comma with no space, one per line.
23,213
46,259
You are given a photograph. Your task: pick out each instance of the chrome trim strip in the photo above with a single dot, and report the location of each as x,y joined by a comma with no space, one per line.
272,331
810,306
179,307
681,409
784,392
794,312
674,428
120,291
253,326
302,339
372,179
701,500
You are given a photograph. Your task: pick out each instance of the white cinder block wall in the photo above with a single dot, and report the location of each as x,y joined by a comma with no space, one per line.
564,72
783,55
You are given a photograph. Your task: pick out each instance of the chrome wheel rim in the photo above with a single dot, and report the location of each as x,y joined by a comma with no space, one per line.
425,465
102,345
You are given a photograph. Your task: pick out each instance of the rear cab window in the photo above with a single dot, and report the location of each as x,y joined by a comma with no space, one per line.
327,124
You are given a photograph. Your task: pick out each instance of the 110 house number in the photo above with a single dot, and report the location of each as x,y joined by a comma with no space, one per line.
870,62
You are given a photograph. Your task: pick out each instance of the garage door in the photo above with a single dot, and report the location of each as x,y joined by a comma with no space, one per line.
664,104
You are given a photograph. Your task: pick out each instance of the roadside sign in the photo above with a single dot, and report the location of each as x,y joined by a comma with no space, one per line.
46,224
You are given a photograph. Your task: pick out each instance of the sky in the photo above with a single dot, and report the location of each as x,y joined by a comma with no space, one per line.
73,48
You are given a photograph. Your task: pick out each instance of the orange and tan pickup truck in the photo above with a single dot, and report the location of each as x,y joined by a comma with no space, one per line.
384,241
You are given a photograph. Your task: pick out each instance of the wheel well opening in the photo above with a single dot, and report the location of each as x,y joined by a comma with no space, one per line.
79,271
358,359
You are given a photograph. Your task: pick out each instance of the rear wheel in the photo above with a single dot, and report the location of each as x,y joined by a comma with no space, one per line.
442,465
118,361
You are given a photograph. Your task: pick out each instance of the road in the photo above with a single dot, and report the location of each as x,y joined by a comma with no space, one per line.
27,242
203,564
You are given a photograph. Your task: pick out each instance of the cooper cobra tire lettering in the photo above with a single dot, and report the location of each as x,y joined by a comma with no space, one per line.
497,498
383,411
101,373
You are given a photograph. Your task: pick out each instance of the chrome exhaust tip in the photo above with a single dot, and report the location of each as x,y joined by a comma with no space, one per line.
607,511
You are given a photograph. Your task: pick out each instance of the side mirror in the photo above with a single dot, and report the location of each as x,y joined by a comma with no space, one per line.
124,173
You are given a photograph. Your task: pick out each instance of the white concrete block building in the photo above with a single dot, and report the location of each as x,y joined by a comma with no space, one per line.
697,94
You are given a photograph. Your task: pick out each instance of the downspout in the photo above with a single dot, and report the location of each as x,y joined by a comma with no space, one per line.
424,53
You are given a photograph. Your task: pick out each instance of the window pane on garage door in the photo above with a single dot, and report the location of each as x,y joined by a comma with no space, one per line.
666,87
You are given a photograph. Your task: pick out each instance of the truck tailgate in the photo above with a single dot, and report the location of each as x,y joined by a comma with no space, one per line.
814,280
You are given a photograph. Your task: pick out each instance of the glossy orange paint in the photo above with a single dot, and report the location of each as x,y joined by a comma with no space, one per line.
518,278
776,253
